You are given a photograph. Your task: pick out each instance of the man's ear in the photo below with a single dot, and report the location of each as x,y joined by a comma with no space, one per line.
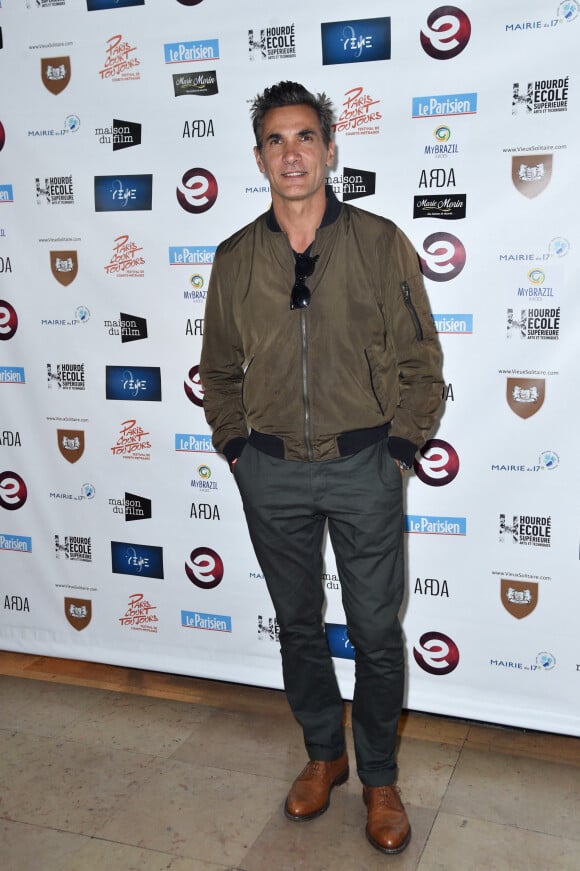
330,155
258,157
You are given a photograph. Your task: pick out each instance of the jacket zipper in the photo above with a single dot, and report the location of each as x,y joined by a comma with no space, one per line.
305,392
412,311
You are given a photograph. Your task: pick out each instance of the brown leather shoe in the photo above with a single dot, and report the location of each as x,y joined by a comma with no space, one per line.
309,795
388,826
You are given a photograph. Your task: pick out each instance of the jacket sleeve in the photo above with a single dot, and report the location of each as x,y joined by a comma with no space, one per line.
222,364
417,351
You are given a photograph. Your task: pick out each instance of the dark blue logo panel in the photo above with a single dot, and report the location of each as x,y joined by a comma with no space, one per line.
353,42
339,643
142,383
140,560
123,193
96,5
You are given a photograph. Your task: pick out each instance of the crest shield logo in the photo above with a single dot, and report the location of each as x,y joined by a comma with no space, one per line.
55,73
519,598
64,266
71,443
78,612
531,173
525,396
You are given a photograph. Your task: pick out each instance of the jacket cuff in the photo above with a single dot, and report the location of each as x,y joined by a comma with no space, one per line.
402,449
233,449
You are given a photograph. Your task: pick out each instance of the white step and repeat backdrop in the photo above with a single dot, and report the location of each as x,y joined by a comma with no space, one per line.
125,157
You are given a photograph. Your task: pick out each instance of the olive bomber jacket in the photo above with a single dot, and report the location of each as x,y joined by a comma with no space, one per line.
364,353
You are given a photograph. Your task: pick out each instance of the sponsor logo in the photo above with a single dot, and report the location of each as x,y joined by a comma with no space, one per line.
359,115
268,628
71,444
55,73
97,5
447,394
431,587
272,43
64,266
2,136
144,560
78,612
442,147
18,543
211,622
534,323
525,396
197,129
194,327
536,278
6,193
193,387
546,462
12,375
16,603
544,662
531,173
130,328
140,614
557,247
44,4
526,529
138,383
194,442
122,134
71,124
132,507
13,491
203,479
437,178
5,265
132,443
540,97
121,62
77,548
446,33
358,41
519,598
447,208
195,84
191,255
339,643
66,376
87,492
55,190
82,316
197,191
197,292
8,320
204,568
454,324
443,257
191,52
204,511
353,183
566,12
126,261
131,193
439,463
420,524
440,105
436,653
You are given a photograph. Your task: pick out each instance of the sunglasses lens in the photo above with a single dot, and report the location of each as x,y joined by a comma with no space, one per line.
300,297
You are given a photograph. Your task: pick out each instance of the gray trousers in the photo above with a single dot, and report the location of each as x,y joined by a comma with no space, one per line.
287,504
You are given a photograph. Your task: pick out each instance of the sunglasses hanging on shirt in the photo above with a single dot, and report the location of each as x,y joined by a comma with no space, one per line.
303,268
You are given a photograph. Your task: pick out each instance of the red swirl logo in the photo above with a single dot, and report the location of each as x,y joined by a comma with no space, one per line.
198,190
439,463
443,257
436,653
13,491
205,568
446,33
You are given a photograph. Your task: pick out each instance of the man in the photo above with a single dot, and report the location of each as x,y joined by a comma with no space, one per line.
321,372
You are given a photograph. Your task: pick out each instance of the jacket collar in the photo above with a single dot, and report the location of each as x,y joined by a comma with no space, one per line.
331,213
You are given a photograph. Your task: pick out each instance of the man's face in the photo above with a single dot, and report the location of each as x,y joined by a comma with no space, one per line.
293,155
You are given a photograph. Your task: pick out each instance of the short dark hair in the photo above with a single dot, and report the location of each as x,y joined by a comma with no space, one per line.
291,94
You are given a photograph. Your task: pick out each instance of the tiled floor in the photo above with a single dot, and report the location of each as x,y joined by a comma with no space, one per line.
110,769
